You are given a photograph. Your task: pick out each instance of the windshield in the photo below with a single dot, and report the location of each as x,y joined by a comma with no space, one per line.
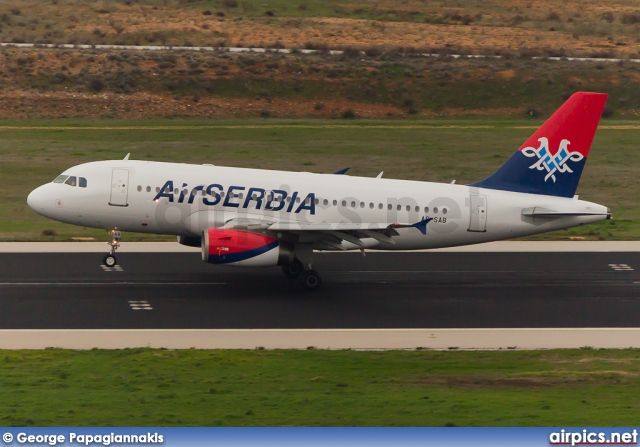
60,179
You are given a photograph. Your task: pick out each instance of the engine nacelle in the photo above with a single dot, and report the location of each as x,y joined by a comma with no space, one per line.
190,241
244,248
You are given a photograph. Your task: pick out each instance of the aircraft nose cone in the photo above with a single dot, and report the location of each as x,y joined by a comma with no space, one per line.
37,199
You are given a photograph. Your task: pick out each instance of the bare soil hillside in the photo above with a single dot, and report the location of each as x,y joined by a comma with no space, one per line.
373,78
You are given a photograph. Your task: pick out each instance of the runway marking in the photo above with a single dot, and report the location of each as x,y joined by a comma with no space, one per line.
377,272
115,268
108,283
621,267
140,305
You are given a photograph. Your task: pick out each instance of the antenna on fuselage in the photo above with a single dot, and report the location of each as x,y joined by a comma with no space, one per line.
126,157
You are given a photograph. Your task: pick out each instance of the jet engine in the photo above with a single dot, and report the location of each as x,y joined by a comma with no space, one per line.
244,248
190,241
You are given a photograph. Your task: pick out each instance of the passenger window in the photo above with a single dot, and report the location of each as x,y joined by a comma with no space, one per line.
399,207
83,182
444,211
139,188
325,202
408,207
389,207
344,203
371,205
426,209
435,210
417,209
71,181
379,205
353,204
335,203
157,189
148,188
60,179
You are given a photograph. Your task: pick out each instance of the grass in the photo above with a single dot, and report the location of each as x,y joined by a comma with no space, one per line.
35,152
145,387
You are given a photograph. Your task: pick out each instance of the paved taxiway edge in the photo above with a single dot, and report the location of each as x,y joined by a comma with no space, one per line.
174,247
360,339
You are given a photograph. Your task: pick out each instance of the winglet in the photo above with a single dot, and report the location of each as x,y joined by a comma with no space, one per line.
342,171
421,225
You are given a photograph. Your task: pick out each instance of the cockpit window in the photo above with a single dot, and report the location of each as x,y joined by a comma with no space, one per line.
60,179
83,182
71,181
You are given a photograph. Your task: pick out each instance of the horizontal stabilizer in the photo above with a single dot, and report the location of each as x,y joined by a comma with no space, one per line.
545,212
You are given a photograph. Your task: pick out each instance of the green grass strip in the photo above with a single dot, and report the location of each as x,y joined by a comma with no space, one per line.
147,387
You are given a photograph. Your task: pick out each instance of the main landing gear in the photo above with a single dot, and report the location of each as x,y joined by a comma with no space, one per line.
309,278
110,259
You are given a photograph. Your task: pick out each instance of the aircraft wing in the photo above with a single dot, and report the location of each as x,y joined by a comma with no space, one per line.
327,235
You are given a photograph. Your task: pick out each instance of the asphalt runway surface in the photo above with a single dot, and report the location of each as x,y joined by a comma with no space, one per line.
381,290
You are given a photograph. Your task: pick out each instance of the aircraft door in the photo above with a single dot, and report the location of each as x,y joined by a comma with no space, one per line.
478,208
119,187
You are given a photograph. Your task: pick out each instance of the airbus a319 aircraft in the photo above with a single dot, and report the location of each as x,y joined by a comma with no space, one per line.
260,218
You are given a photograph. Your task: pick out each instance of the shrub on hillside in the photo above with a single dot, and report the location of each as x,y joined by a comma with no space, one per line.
630,18
96,84
348,114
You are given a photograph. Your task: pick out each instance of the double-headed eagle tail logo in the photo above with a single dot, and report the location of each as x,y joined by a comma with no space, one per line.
552,163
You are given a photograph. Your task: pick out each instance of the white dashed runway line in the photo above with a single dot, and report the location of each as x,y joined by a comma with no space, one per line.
115,268
621,267
140,305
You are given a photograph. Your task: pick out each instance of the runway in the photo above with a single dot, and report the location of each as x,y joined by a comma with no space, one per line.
413,291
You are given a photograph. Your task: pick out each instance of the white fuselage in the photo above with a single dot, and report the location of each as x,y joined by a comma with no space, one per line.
128,195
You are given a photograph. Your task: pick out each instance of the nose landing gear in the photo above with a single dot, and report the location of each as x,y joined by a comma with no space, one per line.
110,259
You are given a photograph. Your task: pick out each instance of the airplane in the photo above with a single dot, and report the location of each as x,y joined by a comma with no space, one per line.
259,218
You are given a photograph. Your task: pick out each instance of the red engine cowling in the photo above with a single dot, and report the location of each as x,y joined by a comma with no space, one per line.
244,248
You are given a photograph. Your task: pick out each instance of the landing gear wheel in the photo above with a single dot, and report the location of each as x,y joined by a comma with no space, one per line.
294,269
109,260
311,280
